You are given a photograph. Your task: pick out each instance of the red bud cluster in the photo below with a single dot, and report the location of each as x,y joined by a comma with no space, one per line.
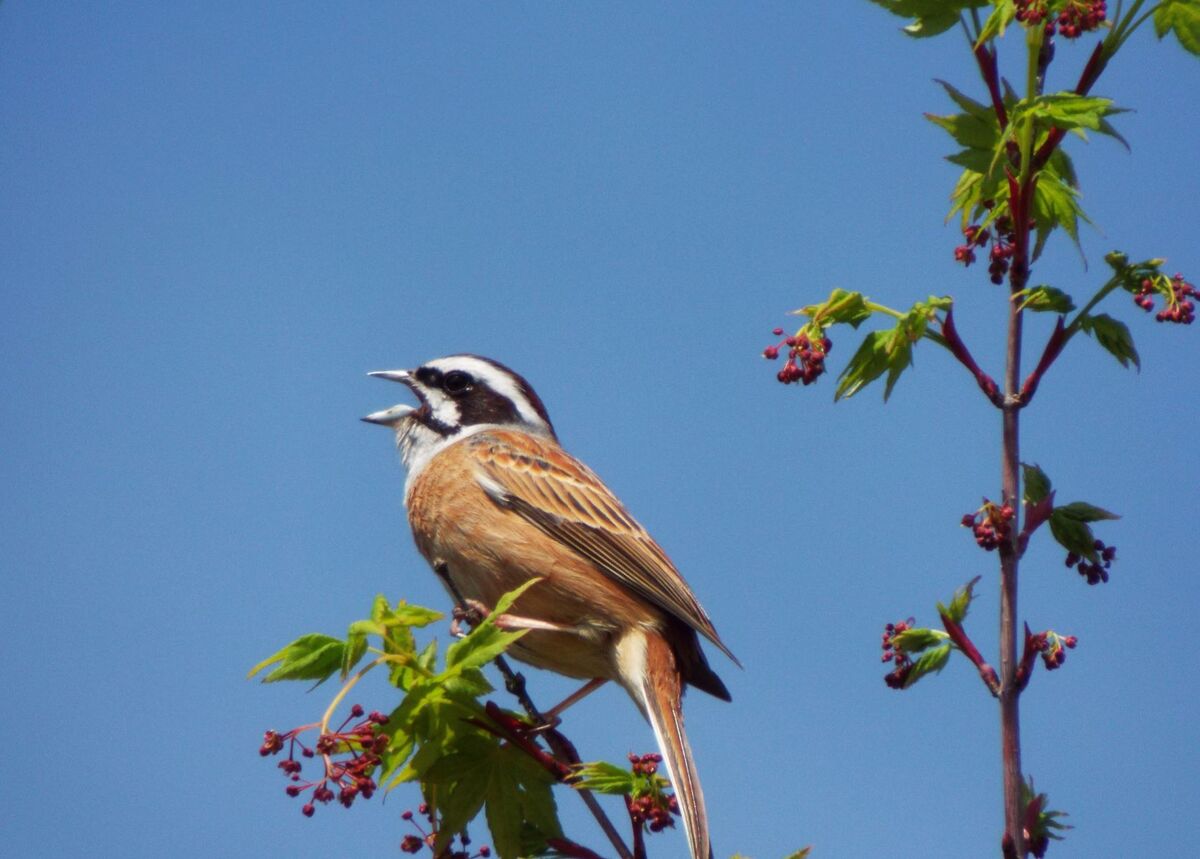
1075,19
903,664
645,764
427,838
1052,647
1094,571
991,524
1180,308
350,776
1000,254
805,357
653,810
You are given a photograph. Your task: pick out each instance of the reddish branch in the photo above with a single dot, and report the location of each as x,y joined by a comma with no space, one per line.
1029,655
960,639
1095,65
568,848
986,58
959,350
1054,346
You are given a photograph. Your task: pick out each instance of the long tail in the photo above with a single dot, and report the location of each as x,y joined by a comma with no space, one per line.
649,672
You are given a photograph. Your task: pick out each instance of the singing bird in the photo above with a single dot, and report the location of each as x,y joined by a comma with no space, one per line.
494,501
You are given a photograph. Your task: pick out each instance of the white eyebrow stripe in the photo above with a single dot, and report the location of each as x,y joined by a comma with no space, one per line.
499,381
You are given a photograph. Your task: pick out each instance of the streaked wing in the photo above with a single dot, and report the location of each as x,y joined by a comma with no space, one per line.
567,501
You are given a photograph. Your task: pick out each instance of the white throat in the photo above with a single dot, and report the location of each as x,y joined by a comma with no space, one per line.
418,445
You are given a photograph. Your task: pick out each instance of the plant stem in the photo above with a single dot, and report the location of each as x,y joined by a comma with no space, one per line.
1010,718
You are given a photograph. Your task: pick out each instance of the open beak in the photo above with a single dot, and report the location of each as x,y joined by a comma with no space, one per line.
391,417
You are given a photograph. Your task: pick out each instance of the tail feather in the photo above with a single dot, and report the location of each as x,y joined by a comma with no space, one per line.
650,674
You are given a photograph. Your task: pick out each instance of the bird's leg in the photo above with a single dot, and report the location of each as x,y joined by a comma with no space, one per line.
572,699
473,611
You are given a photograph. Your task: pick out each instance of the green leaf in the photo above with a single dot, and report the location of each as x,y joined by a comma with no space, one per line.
1002,15
1045,299
1081,511
504,813
931,661
413,615
309,657
1067,110
1113,335
869,363
916,640
842,306
960,602
1055,204
355,649
1073,535
603,777
486,641
459,802
968,130
1181,17
977,109
930,17
1037,484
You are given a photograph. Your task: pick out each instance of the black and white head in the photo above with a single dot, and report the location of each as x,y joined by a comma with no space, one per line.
459,395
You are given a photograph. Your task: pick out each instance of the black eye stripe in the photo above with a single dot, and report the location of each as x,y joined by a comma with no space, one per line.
429,376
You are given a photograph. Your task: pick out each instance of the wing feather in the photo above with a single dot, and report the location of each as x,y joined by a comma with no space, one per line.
565,500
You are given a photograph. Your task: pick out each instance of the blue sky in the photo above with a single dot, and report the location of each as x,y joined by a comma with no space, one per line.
219,217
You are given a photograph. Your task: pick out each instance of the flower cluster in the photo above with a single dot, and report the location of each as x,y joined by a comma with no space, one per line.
645,764
1075,19
1180,308
903,664
653,808
1052,647
991,524
653,811
427,838
805,360
1094,571
344,778
1002,247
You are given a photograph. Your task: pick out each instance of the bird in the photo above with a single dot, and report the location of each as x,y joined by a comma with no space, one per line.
493,500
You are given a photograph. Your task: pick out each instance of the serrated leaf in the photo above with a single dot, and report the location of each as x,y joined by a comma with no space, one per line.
1068,110
486,641
960,603
968,104
1073,535
842,306
406,614
1113,335
603,777
503,812
1055,204
1045,299
1182,17
1037,484
459,803
1081,511
968,130
916,640
355,649
931,661
537,802
997,22
309,657
869,362
930,17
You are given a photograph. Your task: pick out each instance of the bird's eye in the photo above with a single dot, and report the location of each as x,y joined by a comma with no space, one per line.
457,382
